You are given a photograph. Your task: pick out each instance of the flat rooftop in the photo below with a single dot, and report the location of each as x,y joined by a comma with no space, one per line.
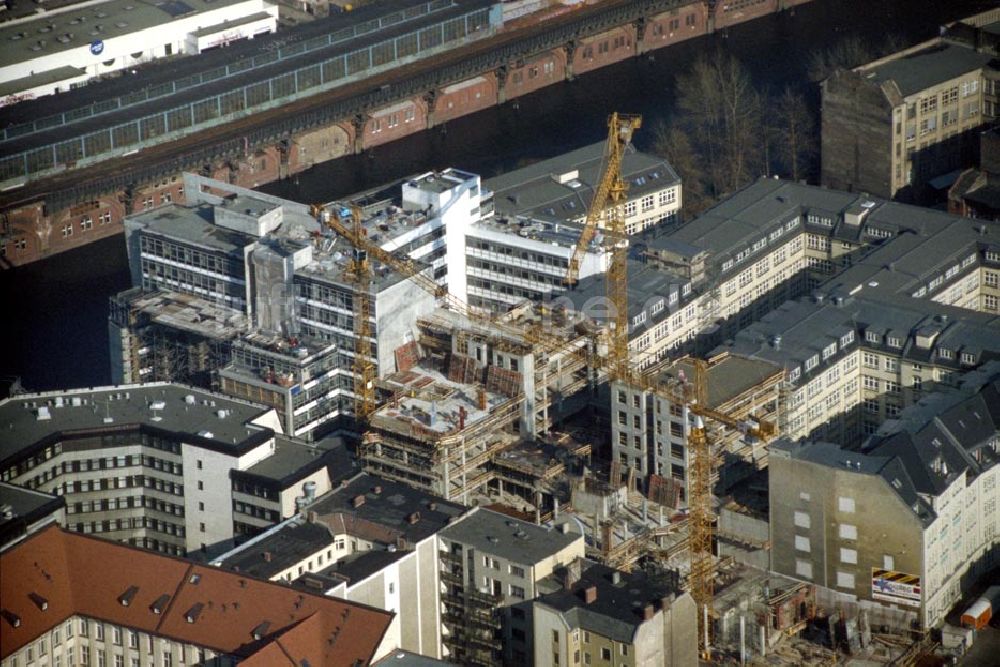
292,458
26,506
384,511
79,25
207,418
938,62
509,538
279,550
562,233
330,255
562,188
617,608
192,313
727,379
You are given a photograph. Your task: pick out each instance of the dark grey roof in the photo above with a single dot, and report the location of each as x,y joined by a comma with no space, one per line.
26,507
947,433
78,410
384,518
388,509
293,459
728,378
806,326
533,191
751,213
509,538
617,610
360,565
928,67
645,285
280,549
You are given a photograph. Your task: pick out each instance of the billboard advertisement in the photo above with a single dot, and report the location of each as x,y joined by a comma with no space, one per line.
898,587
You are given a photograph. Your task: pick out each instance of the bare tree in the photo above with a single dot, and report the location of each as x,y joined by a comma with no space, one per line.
673,143
722,116
794,132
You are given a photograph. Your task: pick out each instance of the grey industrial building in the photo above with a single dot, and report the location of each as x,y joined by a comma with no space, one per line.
910,518
890,127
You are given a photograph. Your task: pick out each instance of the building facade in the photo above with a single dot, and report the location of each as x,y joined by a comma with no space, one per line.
650,427
891,126
909,519
70,599
591,614
562,188
371,541
79,43
165,467
249,293
491,564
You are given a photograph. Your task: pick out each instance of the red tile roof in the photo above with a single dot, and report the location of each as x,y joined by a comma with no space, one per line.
78,574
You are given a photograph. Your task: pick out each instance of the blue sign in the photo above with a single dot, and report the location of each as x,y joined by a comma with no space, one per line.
97,47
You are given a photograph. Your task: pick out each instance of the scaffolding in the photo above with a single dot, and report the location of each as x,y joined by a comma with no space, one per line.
470,616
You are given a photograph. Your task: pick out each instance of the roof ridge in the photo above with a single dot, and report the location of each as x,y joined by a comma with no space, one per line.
166,612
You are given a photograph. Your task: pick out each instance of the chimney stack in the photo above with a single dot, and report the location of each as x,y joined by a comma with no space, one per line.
267,556
589,594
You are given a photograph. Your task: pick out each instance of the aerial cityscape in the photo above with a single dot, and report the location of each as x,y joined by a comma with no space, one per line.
499,332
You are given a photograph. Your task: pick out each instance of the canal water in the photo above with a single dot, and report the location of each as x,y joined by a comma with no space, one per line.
55,311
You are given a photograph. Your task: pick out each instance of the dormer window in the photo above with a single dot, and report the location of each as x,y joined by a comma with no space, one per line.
829,351
945,353
847,339
873,337
812,362
895,342
968,358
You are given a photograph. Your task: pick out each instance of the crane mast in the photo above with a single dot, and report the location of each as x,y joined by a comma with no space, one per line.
609,204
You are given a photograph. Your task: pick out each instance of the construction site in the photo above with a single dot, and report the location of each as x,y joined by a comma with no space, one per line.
539,411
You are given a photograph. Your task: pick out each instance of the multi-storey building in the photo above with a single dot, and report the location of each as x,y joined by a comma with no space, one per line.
512,260
909,519
590,614
386,544
892,125
69,599
649,429
250,293
491,564
561,189
51,51
909,314
166,467
371,541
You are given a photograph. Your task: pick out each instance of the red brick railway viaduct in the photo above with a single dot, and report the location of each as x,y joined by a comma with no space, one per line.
50,221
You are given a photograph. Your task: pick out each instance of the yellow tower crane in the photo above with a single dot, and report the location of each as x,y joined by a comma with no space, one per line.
609,205
360,272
